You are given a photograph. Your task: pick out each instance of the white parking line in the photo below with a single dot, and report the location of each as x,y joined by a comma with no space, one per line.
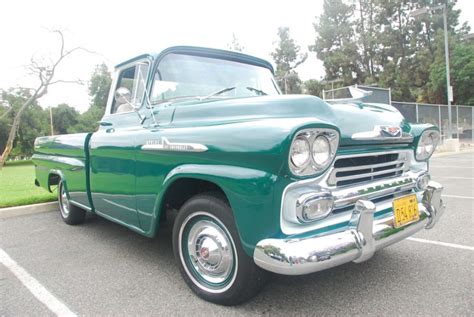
444,244
456,196
38,290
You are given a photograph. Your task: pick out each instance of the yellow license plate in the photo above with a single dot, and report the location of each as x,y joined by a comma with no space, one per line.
405,210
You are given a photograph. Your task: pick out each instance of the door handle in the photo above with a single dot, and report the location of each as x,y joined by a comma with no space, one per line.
105,123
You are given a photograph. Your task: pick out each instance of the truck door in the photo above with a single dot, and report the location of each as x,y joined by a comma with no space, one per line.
112,149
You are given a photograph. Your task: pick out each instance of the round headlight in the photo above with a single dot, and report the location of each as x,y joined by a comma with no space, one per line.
312,151
300,152
427,144
321,151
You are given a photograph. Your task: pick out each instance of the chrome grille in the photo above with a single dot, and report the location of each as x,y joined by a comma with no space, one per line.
359,169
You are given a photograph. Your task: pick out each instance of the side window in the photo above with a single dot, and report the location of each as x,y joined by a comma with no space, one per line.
134,80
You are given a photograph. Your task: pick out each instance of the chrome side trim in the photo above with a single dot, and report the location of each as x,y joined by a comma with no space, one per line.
361,238
164,145
74,162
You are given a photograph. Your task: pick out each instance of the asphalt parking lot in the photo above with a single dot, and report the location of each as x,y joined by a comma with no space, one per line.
101,268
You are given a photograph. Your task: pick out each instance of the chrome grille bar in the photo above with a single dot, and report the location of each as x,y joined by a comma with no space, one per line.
374,166
369,175
357,170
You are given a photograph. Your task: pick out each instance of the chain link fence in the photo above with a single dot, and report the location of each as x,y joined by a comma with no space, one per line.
462,117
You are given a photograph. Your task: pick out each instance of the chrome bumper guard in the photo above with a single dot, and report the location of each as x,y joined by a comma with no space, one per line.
364,236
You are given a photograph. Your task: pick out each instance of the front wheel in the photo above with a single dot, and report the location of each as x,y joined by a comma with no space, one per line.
209,254
70,214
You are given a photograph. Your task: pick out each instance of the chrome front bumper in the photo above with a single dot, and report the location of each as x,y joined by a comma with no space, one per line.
357,243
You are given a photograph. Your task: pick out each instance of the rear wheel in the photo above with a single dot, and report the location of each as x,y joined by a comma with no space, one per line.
70,214
209,254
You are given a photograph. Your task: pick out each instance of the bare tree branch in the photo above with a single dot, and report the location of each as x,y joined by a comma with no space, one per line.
61,52
45,75
77,81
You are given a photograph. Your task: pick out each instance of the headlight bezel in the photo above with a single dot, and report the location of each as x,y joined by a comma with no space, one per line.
300,138
311,167
429,137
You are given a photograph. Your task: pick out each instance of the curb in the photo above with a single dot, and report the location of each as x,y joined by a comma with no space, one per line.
10,212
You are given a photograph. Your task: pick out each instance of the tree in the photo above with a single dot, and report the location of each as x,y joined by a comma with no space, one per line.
336,44
428,34
288,57
64,118
313,87
462,74
46,74
35,122
377,41
99,87
5,118
367,29
88,121
235,44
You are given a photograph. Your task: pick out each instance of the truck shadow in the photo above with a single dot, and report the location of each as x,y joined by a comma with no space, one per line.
328,290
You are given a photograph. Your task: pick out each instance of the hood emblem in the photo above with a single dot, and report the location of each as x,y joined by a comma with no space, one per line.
164,144
391,131
383,132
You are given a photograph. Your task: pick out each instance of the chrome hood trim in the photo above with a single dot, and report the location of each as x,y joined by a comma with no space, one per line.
383,133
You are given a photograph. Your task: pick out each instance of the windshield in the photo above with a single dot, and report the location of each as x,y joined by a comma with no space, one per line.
186,76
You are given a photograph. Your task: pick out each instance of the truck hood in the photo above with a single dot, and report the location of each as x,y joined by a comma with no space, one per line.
350,118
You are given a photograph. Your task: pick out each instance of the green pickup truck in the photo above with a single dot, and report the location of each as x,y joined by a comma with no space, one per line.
256,181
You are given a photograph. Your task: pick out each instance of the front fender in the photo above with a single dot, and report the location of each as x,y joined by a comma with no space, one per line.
250,194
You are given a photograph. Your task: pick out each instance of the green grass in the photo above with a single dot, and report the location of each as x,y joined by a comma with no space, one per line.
19,162
17,186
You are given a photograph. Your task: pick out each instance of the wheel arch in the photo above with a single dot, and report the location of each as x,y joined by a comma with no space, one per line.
54,177
183,188
248,192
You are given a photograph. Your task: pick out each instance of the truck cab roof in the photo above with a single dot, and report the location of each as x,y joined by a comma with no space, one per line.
203,51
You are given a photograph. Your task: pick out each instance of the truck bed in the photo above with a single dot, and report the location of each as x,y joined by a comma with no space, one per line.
67,157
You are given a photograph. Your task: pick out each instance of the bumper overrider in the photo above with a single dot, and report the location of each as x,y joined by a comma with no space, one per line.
363,236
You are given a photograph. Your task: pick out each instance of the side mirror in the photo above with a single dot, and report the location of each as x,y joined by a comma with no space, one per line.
123,95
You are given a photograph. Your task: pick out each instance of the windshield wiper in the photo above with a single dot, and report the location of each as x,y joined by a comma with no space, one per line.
171,100
258,91
218,92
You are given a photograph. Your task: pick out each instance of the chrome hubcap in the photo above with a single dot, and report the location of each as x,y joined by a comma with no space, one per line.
210,251
207,252
64,202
